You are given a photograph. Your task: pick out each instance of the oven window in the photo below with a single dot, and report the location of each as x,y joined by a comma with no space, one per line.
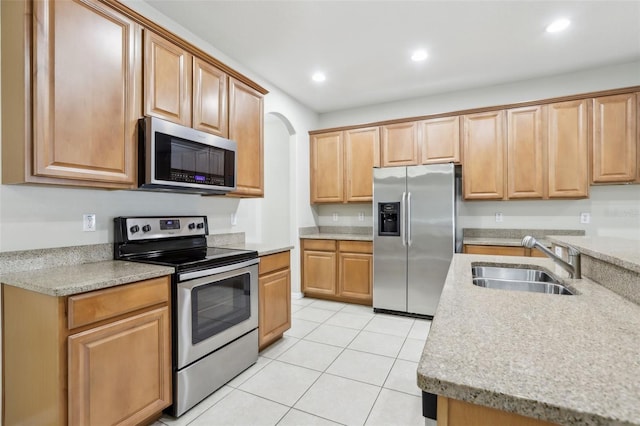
219,305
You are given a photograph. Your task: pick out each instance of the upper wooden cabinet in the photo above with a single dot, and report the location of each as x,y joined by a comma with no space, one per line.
167,80
526,158
342,165
246,127
484,150
440,140
615,139
209,98
69,115
361,155
567,146
399,144
327,170
183,88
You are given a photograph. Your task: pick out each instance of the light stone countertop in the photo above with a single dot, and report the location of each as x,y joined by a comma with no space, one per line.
618,251
573,360
263,249
73,279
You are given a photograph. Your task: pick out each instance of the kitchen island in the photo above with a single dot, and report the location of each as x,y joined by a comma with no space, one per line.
571,360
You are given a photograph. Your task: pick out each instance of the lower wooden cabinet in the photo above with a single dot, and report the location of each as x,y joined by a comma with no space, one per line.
120,373
102,357
502,250
453,412
338,270
274,315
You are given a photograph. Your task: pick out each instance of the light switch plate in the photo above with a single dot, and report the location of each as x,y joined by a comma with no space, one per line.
361,216
499,217
585,217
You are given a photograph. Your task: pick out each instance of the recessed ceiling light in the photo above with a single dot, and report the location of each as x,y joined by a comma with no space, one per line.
318,77
558,25
419,55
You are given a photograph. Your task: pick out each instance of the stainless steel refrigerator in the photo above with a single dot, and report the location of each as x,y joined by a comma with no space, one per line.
415,236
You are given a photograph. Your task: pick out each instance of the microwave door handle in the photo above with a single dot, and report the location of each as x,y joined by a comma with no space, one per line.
408,221
403,223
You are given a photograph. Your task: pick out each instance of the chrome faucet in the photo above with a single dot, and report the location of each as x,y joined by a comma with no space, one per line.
572,267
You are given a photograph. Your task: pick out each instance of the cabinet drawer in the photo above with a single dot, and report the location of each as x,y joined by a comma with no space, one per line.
496,250
356,246
100,305
273,262
327,245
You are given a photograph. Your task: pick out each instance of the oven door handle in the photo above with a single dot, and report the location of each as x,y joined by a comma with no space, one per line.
213,271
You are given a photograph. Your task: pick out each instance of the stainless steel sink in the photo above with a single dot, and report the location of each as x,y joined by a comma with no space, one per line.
517,279
507,273
531,286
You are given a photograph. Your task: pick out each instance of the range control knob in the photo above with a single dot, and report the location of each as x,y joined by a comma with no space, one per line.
134,229
146,228
192,226
200,225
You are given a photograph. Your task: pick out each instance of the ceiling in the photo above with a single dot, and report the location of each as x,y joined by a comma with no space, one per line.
364,47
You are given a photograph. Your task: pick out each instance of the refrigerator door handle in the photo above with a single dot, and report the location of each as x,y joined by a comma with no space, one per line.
408,221
403,223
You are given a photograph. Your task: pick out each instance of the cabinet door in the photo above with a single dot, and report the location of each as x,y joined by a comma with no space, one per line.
319,272
209,98
86,92
275,306
484,150
525,156
440,140
567,147
167,80
400,144
614,139
120,373
361,155
356,276
246,120
327,170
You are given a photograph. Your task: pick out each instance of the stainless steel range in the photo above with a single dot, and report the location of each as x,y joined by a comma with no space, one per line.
214,301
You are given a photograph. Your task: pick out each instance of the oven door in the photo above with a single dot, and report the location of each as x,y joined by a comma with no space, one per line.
216,309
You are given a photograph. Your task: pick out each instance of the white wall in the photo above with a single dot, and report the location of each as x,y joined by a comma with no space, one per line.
615,209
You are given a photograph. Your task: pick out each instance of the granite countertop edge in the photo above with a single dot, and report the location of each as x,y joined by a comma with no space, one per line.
625,253
475,354
499,241
74,279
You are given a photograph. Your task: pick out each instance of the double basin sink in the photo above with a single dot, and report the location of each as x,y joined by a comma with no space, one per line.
518,279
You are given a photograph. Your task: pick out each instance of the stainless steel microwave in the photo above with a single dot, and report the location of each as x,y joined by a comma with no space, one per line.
176,158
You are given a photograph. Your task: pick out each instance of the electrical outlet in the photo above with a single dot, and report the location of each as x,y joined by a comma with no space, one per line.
585,217
89,222
361,216
558,251
234,219
334,217
498,217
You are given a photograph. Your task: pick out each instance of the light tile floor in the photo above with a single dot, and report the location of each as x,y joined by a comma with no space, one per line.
338,364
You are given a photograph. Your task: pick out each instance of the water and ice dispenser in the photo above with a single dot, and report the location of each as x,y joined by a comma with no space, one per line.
389,219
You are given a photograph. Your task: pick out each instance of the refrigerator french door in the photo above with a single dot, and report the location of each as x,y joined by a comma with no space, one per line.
415,236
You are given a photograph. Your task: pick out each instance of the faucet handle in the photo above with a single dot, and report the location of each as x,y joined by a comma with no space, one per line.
573,251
